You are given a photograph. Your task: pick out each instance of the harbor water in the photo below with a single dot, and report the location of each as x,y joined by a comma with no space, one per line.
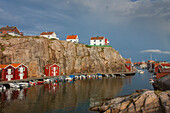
72,97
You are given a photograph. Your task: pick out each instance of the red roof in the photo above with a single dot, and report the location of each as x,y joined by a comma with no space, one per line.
15,65
97,38
71,37
128,62
46,33
49,65
168,65
3,66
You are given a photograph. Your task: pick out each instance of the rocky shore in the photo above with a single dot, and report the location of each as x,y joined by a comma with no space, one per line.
144,100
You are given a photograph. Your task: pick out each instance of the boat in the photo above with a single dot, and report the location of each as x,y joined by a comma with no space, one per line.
14,85
62,79
112,75
32,82
40,81
99,75
47,80
24,84
2,88
72,77
151,80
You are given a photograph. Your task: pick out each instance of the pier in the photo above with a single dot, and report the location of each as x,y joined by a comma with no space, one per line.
46,77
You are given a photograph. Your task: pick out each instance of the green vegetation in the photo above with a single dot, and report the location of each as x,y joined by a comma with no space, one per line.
2,49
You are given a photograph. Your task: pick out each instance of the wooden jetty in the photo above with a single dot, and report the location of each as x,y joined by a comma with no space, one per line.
37,78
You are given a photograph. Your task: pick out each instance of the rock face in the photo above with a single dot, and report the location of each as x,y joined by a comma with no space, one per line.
36,52
141,101
162,83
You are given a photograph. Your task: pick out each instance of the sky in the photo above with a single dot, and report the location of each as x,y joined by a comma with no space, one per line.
135,28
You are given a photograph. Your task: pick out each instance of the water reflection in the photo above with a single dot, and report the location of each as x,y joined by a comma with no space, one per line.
68,97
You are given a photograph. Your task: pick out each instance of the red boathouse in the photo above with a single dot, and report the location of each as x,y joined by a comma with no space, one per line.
128,65
52,70
21,71
7,72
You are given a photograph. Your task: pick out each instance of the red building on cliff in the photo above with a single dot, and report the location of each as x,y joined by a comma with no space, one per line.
128,65
11,31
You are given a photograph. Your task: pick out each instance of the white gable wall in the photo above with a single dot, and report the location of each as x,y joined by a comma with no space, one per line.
52,36
97,42
73,40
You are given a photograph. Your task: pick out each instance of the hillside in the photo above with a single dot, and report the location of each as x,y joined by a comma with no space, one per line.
36,52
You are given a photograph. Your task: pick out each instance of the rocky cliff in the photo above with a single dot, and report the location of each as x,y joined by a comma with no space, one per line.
142,101
36,52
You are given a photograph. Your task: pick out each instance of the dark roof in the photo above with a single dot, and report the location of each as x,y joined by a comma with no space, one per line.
8,28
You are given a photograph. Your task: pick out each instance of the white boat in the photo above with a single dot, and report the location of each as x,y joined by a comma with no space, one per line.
14,85
47,80
141,72
2,88
112,75
24,84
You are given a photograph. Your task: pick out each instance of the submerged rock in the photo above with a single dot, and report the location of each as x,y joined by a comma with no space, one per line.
146,101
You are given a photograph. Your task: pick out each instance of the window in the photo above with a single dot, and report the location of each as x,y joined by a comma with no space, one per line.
51,68
94,44
100,40
100,44
23,68
94,40
18,69
46,67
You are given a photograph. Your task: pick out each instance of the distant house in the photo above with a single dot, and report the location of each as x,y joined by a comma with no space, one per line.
49,35
72,38
11,31
99,41
128,65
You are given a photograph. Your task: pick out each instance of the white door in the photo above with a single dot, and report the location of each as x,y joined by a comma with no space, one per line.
54,71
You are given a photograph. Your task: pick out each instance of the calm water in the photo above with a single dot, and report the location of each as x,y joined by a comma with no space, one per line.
70,97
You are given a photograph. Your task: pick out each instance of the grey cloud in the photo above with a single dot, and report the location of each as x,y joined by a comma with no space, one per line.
155,51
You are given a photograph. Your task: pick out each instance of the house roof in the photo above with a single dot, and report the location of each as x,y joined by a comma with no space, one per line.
49,65
71,37
15,65
46,33
3,66
8,28
128,62
97,38
168,64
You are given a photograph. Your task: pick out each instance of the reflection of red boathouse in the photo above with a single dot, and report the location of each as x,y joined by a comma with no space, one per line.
52,70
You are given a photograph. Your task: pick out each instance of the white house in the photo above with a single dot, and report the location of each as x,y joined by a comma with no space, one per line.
99,41
49,35
72,38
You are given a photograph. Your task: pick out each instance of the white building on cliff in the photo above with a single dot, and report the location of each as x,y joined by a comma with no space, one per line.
99,41
49,35
73,38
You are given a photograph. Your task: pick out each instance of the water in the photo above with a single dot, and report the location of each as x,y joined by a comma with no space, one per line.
70,97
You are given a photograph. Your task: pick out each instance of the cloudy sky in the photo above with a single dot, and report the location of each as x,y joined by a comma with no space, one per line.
136,28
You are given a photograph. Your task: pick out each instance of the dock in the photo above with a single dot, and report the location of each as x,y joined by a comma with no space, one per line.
46,77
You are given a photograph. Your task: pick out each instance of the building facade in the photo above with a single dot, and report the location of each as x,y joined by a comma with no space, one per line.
99,41
52,70
73,38
49,35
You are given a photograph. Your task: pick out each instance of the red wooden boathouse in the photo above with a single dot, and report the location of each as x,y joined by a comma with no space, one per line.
128,65
21,71
52,70
7,72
